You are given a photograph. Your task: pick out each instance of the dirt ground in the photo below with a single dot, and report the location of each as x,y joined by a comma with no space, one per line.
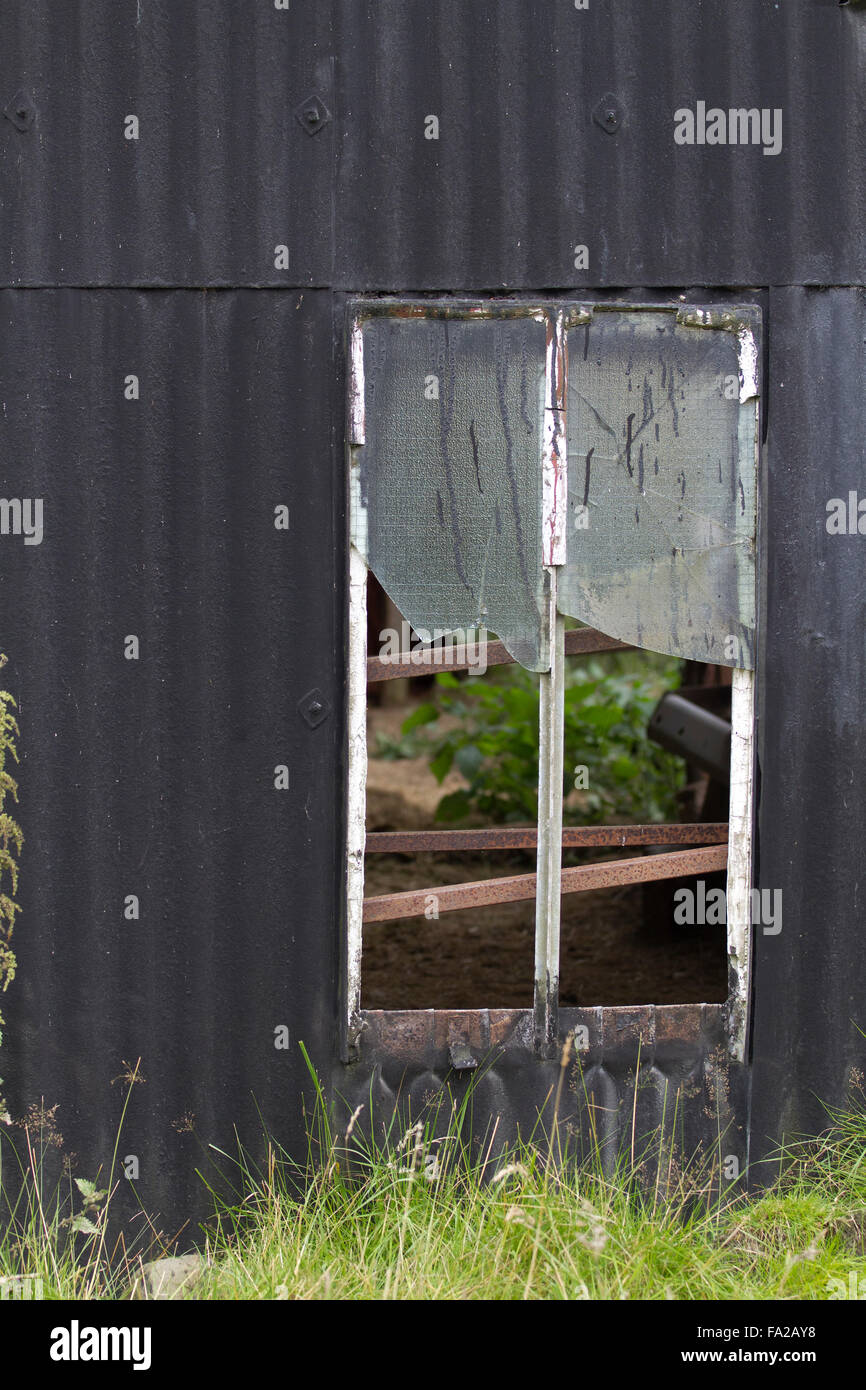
618,946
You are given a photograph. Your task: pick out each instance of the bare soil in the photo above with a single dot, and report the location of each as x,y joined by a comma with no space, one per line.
618,945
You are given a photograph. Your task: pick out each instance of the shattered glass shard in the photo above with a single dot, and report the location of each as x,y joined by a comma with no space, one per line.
447,486
661,488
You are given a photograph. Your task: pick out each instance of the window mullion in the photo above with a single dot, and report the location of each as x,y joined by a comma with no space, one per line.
356,791
552,692
550,778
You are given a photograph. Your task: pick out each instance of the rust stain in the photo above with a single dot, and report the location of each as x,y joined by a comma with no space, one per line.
425,1035
449,309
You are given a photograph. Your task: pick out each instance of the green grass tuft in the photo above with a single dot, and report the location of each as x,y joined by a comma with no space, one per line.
426,1214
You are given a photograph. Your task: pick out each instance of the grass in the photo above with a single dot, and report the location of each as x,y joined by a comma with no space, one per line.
56,1235
419,1216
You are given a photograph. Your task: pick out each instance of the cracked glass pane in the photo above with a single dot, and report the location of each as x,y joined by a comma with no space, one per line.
447,486
661,488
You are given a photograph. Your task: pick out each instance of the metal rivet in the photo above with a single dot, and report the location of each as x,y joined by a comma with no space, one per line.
312,114
314,708
608,113
20,111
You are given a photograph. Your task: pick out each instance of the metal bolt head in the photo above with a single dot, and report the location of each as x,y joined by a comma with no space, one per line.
20,111
608,113
312,114
314,708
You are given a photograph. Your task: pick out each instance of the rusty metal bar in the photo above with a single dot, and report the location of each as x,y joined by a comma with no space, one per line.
526,837
579,641
518,887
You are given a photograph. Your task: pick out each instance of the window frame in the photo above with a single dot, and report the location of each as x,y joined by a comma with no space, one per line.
739,319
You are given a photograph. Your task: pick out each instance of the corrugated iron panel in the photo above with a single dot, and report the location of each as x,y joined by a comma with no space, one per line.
521,173
674,1056
155,776
810,978
222,172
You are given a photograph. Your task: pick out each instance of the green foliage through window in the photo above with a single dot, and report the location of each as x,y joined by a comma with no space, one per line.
495,743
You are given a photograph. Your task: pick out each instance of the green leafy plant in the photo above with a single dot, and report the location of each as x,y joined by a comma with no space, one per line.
56,1231
495,743
11,840
83,1222
412,743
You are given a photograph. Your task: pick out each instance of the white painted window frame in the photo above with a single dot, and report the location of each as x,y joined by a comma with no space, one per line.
551,724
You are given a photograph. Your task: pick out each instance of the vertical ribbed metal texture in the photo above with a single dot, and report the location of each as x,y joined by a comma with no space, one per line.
155,777
689,1095
222,171
810,978
522,173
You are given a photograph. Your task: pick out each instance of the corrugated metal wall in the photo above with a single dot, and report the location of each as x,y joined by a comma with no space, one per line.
223,171
156,777
810,980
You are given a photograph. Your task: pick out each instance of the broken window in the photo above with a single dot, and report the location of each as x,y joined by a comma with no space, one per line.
448,504
515,465
661,487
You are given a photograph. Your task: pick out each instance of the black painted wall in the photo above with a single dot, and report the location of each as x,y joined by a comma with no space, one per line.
158,257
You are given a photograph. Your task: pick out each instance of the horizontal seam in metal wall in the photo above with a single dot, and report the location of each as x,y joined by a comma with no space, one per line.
498,292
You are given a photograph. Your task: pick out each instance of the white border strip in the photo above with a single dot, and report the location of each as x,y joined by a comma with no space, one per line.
548,886
739,886
554,463
357,789
356,798
357,417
